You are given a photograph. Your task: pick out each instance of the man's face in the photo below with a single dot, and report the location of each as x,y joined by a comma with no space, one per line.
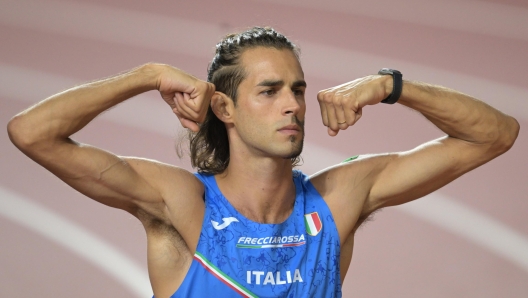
269,115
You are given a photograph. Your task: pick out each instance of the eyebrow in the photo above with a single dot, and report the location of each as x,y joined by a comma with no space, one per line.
275,83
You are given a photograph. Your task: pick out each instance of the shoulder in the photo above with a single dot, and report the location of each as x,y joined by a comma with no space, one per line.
355,172
345,187
182,207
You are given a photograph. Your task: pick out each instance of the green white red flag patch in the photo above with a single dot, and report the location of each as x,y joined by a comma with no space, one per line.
313,223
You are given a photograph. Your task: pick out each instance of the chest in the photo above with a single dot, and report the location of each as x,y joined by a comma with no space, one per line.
298,257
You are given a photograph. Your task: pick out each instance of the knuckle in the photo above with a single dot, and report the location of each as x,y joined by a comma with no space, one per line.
328,98
320,96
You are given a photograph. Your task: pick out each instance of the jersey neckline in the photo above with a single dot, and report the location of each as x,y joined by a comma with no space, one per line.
297,179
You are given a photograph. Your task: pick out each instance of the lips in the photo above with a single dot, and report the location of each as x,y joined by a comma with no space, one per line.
290,130
291,127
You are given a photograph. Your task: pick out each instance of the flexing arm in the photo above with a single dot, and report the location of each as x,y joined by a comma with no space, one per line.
43,133
476,133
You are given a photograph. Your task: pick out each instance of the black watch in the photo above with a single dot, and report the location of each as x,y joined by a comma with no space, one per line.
397,85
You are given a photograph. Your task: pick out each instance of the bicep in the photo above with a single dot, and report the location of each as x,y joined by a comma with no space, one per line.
354,190
406,176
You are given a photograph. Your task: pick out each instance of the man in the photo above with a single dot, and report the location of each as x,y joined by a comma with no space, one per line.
248,224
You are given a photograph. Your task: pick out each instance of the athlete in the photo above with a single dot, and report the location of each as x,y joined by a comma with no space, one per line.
247,223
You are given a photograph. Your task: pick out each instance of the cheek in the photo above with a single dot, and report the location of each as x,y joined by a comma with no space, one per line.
256,115
248,121
256,126
258,112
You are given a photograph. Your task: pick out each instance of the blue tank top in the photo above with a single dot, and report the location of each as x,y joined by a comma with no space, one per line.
238,257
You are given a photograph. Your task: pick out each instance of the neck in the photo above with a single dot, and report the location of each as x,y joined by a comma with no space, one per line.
261,189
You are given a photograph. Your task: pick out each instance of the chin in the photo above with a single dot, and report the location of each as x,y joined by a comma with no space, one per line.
297,147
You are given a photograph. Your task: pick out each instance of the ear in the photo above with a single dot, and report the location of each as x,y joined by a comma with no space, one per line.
222,106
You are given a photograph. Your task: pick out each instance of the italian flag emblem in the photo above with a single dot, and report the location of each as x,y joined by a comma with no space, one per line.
313,223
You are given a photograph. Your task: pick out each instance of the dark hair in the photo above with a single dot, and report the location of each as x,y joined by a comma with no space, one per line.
209,147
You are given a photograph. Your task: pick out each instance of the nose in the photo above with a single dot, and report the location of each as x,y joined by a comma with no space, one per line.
292,104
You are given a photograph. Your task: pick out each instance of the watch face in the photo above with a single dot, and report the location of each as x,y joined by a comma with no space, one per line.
387,71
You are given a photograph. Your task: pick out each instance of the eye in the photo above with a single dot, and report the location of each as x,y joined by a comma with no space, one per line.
298,92
269,92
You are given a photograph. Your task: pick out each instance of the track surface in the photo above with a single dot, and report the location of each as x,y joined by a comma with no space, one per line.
469,239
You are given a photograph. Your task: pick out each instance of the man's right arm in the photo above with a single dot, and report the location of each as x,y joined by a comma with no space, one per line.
43,133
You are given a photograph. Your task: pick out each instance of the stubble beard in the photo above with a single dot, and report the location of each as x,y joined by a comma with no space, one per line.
297,145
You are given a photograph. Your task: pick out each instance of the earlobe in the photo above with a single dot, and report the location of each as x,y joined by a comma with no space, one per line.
222,106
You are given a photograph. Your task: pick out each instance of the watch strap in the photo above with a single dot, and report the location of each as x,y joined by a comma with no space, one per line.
396,87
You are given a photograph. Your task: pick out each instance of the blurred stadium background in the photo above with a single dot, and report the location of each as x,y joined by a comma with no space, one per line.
469,239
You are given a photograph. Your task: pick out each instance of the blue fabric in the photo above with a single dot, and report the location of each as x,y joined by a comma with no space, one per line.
264,260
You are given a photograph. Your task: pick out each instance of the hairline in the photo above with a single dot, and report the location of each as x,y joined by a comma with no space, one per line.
243,71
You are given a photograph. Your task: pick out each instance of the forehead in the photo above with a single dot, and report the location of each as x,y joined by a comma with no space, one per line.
263,63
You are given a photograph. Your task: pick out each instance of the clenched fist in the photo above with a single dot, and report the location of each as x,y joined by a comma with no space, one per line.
341,106
188,96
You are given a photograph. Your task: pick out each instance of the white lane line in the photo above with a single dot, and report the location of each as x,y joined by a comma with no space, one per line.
146,30
447,214
475,227
113,25
480,17
75,238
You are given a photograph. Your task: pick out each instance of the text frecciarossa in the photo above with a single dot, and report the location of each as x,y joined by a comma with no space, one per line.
272,239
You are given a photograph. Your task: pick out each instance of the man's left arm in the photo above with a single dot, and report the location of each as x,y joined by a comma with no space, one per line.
476,133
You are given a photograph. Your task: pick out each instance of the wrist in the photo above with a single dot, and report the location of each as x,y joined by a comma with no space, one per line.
395,81
150,74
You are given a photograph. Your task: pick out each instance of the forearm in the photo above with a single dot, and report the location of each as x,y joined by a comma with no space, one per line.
460,116
63,114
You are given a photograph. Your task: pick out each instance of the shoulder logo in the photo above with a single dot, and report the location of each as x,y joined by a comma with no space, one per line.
313,223
226,222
